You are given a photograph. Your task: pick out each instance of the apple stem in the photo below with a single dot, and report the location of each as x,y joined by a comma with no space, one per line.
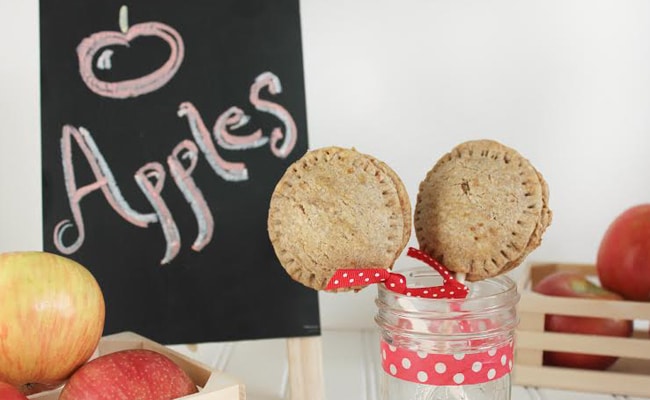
124,18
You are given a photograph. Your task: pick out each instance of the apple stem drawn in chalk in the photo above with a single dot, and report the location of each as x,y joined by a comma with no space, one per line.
124,19
99,42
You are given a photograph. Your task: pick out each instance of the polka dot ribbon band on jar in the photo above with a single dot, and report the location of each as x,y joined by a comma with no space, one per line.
359,277
447,369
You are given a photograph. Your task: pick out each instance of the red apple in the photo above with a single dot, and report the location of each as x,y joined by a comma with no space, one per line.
129,374
623,260
51,319
569,284
8,392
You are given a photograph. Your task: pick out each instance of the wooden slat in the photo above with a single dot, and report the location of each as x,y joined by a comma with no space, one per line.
583,380
537,303
589,344
537,272
531,321
306,368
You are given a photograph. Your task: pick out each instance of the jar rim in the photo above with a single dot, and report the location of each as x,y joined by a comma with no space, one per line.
503,281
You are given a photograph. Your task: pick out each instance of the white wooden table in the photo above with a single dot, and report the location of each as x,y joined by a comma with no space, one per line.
350,364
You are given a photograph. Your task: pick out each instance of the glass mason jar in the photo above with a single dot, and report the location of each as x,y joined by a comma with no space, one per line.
447,349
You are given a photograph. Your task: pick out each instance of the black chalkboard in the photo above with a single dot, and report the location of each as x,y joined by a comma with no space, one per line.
165,126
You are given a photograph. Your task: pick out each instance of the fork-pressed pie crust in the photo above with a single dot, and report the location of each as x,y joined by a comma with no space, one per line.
481,209
337,208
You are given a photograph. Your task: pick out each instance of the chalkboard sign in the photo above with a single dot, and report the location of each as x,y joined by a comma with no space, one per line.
165,127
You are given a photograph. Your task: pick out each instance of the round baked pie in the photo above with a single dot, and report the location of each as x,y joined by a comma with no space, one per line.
337,208
481,209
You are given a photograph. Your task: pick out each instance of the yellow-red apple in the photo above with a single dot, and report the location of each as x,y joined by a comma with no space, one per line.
51,319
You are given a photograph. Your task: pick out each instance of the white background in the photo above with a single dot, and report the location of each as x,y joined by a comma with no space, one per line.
567,83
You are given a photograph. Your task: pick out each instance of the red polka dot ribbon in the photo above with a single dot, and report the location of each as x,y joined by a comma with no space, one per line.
359,277
447,369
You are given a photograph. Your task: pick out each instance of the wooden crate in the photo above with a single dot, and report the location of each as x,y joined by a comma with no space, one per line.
213,385
630,375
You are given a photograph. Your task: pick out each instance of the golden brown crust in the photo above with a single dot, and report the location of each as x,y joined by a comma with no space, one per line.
337,208
481,209
405,201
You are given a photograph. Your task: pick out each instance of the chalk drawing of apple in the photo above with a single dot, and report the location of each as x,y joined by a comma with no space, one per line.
99,42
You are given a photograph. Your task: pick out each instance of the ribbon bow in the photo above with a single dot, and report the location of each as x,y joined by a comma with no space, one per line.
355,277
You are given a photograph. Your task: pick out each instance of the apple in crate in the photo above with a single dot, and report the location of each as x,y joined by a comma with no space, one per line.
51,319
569,284
8,392
129,374
623,260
